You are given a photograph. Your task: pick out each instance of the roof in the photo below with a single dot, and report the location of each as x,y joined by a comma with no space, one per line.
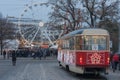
88,31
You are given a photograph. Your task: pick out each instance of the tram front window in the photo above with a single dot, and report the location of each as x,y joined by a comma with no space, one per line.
95,43
91,43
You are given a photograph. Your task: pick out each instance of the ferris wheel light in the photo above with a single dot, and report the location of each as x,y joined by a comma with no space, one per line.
30,7
21,14
41,24
25,10
35,5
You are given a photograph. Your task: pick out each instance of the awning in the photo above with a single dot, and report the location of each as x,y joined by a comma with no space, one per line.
44,46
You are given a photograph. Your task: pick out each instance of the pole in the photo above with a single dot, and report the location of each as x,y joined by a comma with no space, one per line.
119,41
1,38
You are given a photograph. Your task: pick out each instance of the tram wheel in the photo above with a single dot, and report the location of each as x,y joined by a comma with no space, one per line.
67,68
59,63
97,74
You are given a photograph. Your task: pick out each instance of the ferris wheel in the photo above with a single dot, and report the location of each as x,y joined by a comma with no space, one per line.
32,21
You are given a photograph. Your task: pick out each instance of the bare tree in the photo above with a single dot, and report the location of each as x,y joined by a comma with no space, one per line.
93,12
7,31
66,11
99,11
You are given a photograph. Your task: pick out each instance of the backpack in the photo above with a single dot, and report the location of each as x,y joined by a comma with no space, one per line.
116,57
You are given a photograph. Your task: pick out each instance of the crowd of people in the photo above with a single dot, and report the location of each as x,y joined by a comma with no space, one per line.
26,52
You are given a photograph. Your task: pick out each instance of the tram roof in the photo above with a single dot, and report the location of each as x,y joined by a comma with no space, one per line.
87,31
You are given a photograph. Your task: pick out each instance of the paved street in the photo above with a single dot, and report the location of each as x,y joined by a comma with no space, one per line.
30,69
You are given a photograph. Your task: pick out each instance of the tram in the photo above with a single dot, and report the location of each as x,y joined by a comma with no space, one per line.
85,51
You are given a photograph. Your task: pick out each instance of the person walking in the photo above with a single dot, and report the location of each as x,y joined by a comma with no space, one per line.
13,58
119,62
4,54
115,61
44,53
40,53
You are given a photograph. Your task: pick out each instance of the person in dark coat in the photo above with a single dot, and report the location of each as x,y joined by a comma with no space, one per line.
119,62
4,54
40,54
14,58
44,53
115,60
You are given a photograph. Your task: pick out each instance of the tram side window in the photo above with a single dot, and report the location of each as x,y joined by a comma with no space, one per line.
71,43
65,44
87,45
60,44
102,43
78,42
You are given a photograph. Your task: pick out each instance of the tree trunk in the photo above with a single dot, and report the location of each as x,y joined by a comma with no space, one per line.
1,47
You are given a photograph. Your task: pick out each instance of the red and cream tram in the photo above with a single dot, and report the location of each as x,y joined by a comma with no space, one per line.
85,51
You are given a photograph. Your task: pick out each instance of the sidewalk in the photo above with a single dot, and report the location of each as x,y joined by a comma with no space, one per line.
113,75
1,56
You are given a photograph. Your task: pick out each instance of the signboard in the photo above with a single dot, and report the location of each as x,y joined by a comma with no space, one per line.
94,46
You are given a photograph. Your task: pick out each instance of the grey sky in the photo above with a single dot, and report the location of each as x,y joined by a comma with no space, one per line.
15,7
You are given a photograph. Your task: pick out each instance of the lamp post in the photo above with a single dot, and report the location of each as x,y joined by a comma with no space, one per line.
1,34
1,37
119,41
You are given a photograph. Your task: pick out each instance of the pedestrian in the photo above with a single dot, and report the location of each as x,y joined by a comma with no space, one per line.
40,53
8,54
111,62
13,57
119,62
34,55
4,54
115,61
44,53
